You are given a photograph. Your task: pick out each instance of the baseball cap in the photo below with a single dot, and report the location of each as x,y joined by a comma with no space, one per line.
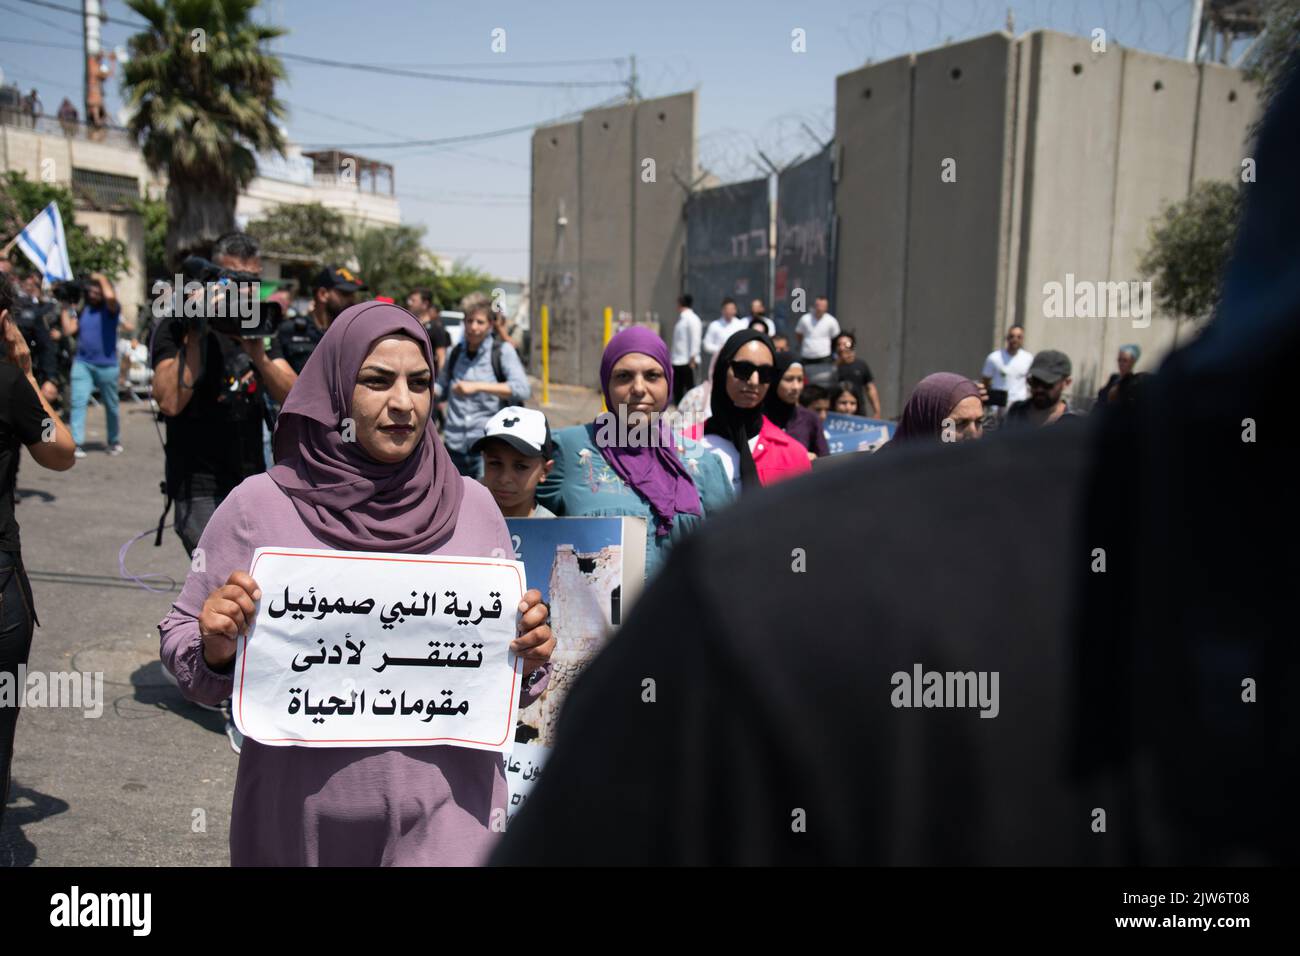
338,277
1050,366
523,429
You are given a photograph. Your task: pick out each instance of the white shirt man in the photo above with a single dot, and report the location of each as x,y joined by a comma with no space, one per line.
686,337
721,329
816,331
1007,369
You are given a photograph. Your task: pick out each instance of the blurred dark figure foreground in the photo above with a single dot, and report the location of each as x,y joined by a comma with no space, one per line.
1155,698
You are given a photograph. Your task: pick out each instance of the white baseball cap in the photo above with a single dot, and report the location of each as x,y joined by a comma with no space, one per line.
524,429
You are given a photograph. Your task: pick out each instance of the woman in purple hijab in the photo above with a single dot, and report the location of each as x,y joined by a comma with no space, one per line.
943,407
383,484
629,461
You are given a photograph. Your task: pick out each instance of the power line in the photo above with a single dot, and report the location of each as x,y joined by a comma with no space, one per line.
464,138
49,23
375,67
525,64
26,42
445,77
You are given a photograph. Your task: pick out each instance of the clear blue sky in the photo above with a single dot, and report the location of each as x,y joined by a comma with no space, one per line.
754,92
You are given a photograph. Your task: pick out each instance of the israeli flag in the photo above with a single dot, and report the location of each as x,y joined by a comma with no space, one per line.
43,242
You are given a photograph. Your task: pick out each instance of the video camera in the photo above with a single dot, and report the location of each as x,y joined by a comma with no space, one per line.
229,302
71,291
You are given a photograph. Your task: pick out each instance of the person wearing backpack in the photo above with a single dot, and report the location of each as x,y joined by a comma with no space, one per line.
482,376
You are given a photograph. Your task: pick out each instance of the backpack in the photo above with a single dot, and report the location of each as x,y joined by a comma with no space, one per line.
498,369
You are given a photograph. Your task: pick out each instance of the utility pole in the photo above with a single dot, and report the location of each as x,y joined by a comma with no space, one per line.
633,93
94,64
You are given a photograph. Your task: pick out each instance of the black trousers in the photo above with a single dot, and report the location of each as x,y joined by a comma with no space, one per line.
683,381
16,622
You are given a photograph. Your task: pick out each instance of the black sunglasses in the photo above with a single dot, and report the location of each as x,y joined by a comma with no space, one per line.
744,370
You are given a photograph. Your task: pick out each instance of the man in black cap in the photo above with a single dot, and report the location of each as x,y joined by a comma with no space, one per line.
333,290
1049,377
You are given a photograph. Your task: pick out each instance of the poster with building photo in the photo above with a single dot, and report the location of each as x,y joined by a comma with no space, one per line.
590,571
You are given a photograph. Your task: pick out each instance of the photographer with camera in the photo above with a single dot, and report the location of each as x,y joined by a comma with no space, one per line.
26,418
35,319
208,373
95,365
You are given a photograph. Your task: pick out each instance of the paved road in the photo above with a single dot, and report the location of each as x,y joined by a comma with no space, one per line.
131,786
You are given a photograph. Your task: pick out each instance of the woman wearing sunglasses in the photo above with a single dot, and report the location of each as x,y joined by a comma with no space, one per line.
752,449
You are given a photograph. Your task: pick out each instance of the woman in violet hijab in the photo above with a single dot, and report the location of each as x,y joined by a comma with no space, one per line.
394,489
751,448
629,462
782,408
943,407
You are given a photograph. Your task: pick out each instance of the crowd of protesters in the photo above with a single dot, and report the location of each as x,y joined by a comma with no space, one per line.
445,450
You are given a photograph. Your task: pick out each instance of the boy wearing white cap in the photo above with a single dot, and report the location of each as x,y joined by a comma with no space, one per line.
517,454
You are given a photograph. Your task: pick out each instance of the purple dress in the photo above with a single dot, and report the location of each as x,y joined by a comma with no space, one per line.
806,428
363,806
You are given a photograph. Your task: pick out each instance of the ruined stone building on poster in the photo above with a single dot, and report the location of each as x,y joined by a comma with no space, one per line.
585,599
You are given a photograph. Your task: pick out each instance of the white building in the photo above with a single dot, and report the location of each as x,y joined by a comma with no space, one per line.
106,173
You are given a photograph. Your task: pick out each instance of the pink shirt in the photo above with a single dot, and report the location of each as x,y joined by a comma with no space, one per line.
364,806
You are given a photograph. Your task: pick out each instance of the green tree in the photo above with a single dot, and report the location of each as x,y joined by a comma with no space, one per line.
200,87
20,201
459,282
393,260
1275,53
1189,247
1192,239
307,232
153,213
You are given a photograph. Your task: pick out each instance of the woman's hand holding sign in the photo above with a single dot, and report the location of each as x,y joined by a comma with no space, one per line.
535,642
228,613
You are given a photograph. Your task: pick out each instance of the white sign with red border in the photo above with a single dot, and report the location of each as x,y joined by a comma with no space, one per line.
361,649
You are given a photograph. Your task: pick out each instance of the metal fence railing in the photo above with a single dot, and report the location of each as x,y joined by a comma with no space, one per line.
72,129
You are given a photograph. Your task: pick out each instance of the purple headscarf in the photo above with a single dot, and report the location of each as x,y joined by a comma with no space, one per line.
655,472
343,495
932,401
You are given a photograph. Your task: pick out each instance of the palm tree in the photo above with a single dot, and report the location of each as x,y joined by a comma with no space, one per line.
201,91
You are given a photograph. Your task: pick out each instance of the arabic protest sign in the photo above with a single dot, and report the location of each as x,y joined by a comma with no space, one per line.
357,649
847,433
523,770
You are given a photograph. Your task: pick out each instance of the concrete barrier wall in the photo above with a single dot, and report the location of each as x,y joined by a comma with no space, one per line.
665,132
1068,193
1157,114
956,235
1065,157
621,242
556,248
1226,108
873,116
608,179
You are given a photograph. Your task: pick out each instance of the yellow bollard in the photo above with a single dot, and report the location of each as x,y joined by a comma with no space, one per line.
546,356
609,331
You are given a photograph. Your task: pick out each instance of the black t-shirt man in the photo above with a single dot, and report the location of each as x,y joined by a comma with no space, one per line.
856,372
439,337
216,440
22,421
294,341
